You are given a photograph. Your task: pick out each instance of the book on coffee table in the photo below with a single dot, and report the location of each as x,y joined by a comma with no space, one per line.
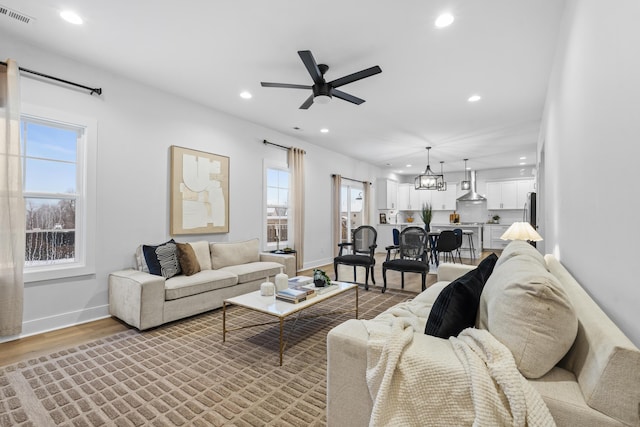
292,295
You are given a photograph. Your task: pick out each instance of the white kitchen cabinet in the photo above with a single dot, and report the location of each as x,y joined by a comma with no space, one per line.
403,197
444,200
508,194
415,198
385,236
492,233
386,194
409,198
525,187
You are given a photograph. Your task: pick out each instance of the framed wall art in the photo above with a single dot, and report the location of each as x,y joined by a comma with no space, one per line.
199,192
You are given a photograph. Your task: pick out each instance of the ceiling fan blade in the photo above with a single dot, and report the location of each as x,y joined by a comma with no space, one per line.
285,85
343,95
312,66
355,76
306,104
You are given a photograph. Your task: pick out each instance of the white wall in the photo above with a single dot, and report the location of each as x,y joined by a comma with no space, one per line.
590,140
136,127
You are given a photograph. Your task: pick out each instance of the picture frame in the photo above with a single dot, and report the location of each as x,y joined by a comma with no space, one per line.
199,199
383,218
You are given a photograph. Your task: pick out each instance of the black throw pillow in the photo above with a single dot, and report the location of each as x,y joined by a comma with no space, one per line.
162,260
456,307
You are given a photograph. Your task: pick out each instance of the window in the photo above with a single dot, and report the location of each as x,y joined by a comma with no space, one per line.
56,153
277,207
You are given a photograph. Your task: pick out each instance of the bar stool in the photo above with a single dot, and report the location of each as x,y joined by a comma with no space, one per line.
472,249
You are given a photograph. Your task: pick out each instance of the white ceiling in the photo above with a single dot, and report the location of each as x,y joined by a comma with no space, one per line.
210,51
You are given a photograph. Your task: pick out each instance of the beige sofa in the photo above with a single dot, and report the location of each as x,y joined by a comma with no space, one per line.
145,300
596,383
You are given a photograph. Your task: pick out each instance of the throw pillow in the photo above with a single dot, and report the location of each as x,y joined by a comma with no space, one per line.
201,249
236,253
526,309
456,307
187,259
162,260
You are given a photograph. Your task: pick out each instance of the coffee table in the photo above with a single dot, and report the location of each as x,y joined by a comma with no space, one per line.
281,309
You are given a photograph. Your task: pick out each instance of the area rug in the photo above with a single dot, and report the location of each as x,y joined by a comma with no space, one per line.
182,374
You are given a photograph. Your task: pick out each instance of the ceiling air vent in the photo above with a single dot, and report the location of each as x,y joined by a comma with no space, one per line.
15,15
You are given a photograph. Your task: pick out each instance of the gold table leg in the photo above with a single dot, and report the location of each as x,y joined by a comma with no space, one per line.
224,321
281,344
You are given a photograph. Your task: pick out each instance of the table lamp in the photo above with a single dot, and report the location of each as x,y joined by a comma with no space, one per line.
521,231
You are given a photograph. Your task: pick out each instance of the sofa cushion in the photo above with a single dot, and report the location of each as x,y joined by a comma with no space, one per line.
456,307
207,280
226,254
162,259
201,250
254,270
520,248
526,309
187,259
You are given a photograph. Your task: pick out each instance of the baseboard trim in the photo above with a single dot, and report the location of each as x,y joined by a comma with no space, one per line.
60,321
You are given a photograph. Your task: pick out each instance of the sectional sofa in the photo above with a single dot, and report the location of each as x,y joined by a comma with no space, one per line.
172,281
584,368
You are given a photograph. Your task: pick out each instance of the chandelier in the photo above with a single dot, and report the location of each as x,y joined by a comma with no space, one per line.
429,180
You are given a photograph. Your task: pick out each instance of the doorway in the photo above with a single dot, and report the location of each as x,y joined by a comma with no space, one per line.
351,209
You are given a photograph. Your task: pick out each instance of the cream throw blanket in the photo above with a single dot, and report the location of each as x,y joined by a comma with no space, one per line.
418,383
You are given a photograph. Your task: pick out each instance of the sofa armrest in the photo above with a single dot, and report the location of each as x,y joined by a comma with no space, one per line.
289,262
448,272
348,398
137,298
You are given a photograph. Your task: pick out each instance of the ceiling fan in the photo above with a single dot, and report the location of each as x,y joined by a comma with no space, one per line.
323,91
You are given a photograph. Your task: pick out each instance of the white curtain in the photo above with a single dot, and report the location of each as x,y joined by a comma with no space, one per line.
366,215
296,165
337,220
12,219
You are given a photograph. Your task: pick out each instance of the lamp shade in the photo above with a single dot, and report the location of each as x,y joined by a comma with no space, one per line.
521,231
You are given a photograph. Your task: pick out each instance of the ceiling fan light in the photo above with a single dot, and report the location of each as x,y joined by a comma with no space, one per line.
322,99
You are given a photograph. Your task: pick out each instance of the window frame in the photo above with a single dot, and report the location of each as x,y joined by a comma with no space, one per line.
85,226
282,166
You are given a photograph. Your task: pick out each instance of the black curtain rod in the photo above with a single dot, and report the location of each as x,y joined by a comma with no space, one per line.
46,76
264,141
351,179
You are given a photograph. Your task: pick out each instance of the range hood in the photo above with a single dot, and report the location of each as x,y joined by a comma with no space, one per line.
472,195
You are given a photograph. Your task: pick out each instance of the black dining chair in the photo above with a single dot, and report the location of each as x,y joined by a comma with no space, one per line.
413,249
459,235
363,247
447,245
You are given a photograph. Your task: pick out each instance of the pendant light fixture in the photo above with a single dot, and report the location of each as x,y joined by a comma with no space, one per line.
466,183
428,180
443,185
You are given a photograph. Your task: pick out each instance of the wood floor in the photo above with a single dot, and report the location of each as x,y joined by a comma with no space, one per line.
37,345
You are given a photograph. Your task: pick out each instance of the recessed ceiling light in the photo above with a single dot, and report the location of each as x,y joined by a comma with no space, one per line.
523,158
522,163
71,16
245,95
408,166
324,130
474,98
444,20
